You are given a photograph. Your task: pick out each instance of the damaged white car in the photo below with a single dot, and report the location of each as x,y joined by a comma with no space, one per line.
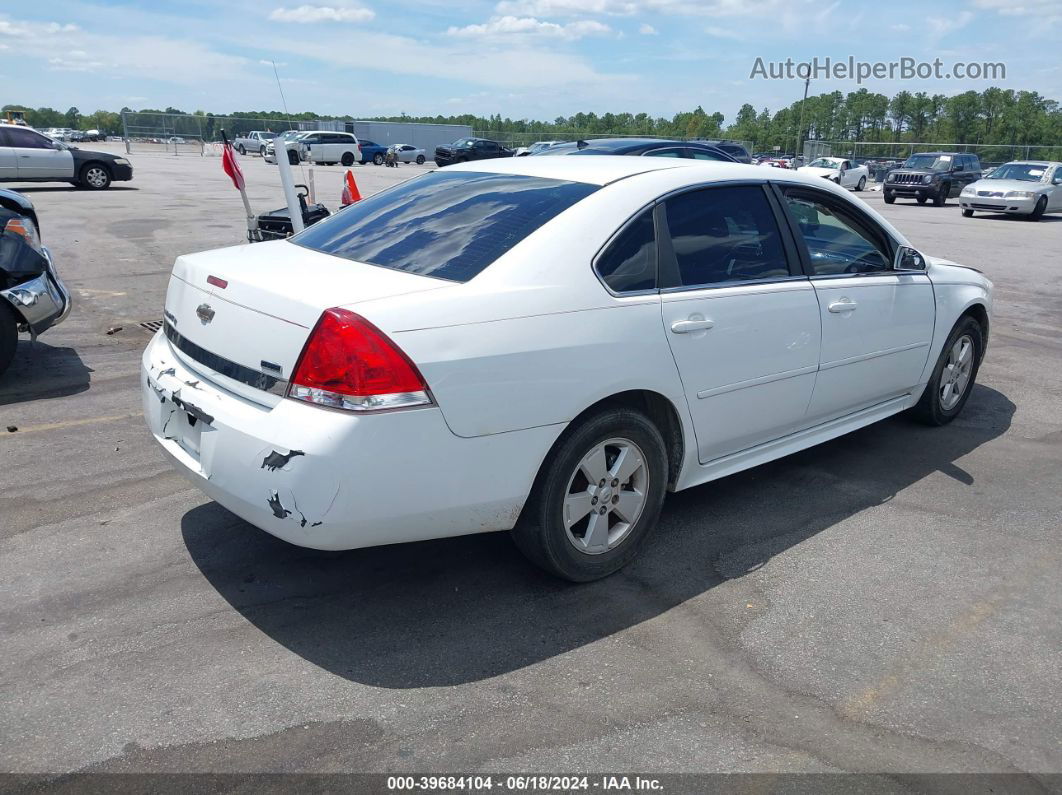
837,170
547,345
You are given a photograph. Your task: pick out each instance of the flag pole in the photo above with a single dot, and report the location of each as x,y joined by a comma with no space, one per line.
252,224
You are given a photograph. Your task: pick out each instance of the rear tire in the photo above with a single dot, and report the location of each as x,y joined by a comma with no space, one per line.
8,336
562,528
420,160
967,213
938,405
862,184
347,159
378,159
1038,211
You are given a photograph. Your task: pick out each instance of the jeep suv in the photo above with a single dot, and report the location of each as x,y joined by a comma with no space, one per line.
932,175
469,149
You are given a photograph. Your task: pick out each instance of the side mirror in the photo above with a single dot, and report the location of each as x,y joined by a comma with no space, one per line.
1057,179
907,259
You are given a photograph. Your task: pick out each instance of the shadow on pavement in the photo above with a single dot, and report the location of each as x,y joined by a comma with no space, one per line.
460,610
40,371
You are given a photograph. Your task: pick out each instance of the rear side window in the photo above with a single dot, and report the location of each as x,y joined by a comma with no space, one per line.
725,235
450,226
629,263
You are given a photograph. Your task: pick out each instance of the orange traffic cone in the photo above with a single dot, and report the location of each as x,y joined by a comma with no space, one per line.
350,190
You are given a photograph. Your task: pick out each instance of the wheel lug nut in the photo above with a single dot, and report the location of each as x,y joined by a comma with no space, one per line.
615,499
602,483
615,482
602,510
593,500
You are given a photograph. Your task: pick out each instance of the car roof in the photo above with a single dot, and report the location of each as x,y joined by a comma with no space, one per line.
606,169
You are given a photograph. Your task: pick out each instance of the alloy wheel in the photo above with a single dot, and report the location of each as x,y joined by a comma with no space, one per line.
957,371
605,496
96,177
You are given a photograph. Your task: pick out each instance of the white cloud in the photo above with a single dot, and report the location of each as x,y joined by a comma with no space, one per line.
499,27
308,13
900,28
941,26
647,30
707,8
566,7
723,33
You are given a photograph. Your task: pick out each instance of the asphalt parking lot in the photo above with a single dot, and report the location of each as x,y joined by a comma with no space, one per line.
885,603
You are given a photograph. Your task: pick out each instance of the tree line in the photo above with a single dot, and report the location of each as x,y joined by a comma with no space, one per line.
992,116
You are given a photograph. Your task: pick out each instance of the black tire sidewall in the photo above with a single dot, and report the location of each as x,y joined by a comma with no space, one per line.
84,171
929,408
347,160
541,533
8,336
420,160
889,197
1038,211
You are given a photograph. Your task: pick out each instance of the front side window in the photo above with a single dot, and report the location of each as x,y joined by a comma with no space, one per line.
672,152
629,263
449,226
725,235
838,243
705,154
24,139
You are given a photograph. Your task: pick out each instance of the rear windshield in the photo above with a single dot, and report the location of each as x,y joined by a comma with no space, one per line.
446,225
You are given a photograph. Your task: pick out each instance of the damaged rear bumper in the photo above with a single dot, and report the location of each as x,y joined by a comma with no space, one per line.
327,480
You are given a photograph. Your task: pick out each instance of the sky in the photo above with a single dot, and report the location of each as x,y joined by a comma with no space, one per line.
535,59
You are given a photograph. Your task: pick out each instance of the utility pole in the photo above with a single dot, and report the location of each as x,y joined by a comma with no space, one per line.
800,132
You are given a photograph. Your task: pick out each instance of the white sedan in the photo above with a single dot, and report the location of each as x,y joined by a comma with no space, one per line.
838,170
1030,188
548,345
407,153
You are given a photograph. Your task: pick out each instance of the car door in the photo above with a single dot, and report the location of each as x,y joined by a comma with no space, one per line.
36,156
877,323
313,145
1054,195
8,159
741,320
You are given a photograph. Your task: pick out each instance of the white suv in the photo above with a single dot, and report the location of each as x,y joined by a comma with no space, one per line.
325,146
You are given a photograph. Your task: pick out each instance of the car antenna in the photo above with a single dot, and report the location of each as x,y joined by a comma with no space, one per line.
581,144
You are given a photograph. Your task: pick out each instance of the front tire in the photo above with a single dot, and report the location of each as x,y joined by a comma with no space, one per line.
261,151
95,176
967,213
862,184
1038,211
942,196
8,335
953,378
890,198
242,149
596,497
293,158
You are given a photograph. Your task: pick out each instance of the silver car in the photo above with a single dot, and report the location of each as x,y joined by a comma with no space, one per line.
407,153
1022,187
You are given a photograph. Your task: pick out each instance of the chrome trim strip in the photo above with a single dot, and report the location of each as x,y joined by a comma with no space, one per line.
873,355
226,367
766,379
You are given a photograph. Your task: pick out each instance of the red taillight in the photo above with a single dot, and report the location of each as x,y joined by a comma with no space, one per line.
348,363
214,280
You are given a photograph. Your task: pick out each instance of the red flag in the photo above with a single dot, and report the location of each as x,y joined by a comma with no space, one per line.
232,166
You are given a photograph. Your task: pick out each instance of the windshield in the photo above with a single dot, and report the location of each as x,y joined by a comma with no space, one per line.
1026,172
825,162
928,162
450,226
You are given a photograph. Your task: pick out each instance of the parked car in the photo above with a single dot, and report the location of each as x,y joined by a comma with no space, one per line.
838,170
638,147
32,296
465,149
407,153
327,146
372,152
293,155
1031,188
735,149
932,175
535,148
28,156
433,360
254,141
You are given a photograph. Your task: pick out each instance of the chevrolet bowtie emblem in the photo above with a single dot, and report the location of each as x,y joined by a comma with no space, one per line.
204,313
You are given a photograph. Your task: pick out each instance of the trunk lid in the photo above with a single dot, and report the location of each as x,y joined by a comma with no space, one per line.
248,333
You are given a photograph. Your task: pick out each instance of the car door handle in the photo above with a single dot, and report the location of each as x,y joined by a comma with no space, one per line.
686,326
844,305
